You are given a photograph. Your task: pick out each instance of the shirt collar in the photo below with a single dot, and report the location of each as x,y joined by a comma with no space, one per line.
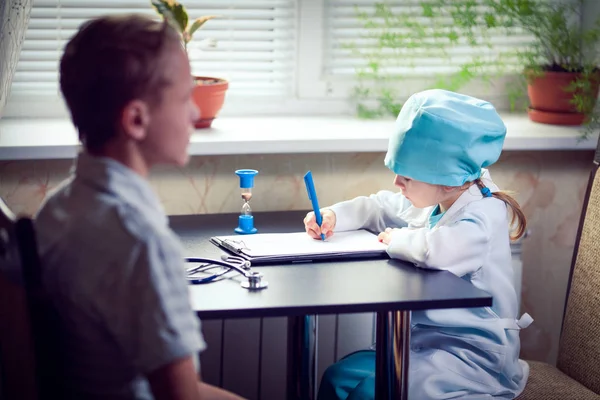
109,175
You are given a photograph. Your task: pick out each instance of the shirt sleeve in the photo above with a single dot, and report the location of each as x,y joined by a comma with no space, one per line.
148,312
375,212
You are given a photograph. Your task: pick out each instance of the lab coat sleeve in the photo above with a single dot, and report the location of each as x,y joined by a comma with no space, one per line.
460,247
375,212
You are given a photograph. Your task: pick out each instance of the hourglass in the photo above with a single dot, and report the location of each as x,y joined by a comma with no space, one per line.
246,220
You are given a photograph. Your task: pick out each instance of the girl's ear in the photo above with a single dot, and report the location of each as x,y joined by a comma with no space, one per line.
448,189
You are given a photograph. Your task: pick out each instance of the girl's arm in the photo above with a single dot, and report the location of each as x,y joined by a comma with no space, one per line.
375,212
460,247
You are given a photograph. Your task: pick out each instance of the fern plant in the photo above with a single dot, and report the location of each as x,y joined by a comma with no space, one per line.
560,44
435,28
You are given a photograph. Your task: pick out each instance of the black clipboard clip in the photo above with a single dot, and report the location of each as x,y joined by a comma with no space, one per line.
234,246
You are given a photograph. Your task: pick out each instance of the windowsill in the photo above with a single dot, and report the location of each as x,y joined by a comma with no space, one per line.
22,139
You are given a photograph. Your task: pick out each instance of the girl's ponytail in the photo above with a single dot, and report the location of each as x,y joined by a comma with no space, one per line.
518,216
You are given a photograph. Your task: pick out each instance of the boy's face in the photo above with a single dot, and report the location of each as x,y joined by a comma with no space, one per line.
171,121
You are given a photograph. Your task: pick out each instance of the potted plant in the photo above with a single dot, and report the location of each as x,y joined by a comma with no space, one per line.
557,70
209,92
561,63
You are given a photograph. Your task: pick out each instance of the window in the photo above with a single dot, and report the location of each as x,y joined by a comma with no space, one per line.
281,56
352,42
255,47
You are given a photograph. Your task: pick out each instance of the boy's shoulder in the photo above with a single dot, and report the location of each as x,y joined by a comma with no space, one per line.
80,213
85,236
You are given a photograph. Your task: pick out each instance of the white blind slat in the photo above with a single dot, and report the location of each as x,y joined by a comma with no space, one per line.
256,42
349,46
190,4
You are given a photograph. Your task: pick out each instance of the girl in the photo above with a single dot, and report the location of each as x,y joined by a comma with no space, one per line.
449,216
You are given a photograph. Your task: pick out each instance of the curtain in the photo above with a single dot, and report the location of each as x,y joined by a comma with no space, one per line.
14,17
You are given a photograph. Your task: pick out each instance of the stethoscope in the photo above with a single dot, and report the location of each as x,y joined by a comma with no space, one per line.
227,263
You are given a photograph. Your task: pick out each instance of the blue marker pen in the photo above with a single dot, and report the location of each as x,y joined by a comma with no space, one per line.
312,196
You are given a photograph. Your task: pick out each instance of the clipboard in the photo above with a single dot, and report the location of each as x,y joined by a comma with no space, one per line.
268,248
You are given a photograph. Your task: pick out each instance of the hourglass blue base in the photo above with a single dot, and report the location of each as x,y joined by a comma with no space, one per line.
245,225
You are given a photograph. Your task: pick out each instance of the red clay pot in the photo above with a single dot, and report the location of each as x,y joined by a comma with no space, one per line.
550,103
209,96
554,118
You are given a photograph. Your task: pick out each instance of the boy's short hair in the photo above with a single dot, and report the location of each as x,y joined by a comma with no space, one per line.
111,61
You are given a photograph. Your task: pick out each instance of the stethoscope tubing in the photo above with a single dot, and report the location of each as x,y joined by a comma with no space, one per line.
238,264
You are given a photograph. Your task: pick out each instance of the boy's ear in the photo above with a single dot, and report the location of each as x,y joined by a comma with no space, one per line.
135,118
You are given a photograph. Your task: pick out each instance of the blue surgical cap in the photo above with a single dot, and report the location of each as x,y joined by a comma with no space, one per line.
445,138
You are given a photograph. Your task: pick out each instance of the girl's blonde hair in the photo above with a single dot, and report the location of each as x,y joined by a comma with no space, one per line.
518,216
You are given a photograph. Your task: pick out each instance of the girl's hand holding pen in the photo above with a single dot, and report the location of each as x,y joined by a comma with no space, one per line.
313,229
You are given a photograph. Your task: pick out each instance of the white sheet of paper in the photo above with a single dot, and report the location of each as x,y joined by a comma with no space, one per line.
299,243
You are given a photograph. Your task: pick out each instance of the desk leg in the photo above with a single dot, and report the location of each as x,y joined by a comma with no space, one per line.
392,354
299,381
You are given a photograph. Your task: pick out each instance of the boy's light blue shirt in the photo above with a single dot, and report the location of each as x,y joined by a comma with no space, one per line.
115,274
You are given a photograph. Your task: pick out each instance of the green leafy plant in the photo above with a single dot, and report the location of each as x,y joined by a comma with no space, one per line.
560,44
209,92
402,40
436,28
176,14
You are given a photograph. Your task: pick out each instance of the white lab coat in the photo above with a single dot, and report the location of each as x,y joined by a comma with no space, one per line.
470,353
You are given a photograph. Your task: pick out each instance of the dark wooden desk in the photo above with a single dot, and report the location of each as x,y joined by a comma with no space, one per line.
390,288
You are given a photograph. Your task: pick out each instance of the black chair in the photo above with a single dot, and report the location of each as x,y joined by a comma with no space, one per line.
25,360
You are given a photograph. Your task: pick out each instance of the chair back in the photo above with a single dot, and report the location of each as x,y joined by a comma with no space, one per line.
579,351
18,379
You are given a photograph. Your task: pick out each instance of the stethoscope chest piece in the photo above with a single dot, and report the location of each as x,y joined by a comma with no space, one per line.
255,281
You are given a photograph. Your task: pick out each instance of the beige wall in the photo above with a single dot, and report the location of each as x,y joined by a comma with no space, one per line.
550,186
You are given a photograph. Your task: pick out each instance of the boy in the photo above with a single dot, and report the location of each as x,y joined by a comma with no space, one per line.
112,267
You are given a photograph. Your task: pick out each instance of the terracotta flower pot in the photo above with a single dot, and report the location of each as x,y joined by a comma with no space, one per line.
550,102
209,95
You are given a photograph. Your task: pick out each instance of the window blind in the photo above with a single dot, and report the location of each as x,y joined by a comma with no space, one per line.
353,42
255,42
